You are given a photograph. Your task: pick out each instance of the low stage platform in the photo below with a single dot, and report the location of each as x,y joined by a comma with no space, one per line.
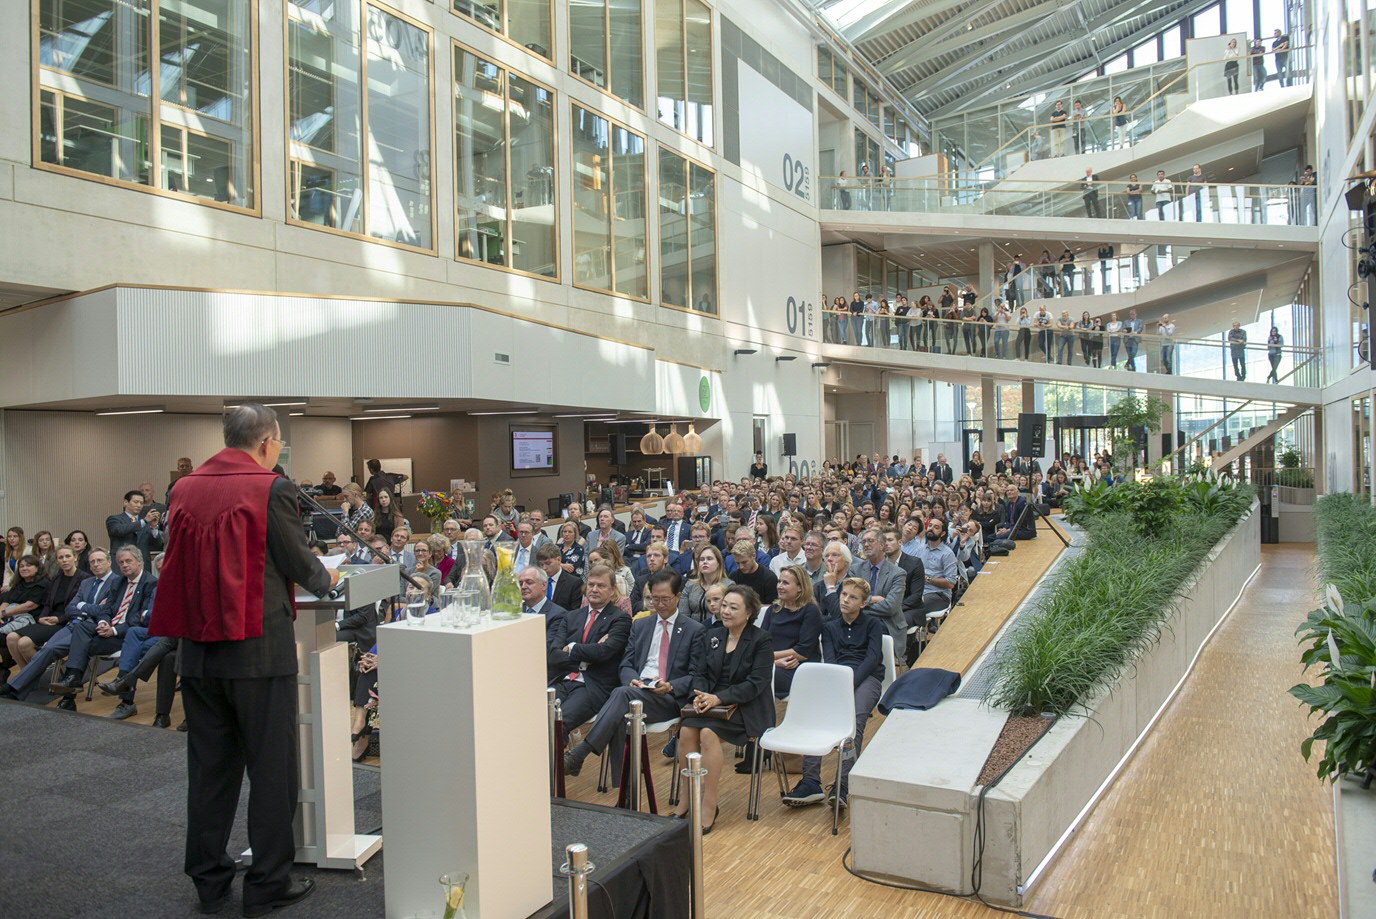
96,817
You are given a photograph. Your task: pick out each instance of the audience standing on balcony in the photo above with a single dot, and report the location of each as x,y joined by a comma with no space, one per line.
1077,128
1274,344
1237,347
1115,339
1309,196
1132,340
1280,47
1119,111
1133,190
1163,191
1258,54
1231,56
1059,116
1065,339
1090,189
1196,187
1166,329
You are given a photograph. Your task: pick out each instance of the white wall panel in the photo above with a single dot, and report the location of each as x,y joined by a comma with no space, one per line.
65,351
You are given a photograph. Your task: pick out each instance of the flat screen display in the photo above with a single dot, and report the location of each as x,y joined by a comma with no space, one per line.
532,448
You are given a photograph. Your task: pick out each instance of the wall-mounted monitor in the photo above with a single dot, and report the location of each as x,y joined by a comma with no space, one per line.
534,449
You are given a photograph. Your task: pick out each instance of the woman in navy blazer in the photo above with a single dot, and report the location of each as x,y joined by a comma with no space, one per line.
737,670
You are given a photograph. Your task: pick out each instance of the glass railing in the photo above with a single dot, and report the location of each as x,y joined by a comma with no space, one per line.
1144,353
1093,276
992,142
1184,202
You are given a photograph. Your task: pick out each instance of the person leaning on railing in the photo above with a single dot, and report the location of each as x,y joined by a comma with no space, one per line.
1230,64
1258,55
1274,345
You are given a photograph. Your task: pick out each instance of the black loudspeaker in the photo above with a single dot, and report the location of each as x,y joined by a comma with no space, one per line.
617,446
790,445
1031,434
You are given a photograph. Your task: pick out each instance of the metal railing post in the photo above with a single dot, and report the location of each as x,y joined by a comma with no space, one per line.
635,731
552,709
694,773
576,868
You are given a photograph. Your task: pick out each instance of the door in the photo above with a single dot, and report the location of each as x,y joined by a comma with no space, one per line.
835,441
861,439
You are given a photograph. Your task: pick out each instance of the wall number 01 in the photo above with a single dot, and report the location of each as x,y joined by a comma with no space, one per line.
799,317
796,177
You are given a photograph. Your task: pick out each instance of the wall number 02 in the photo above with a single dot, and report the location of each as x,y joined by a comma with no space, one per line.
796,176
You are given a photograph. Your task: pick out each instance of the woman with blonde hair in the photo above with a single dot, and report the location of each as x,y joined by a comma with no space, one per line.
708,569
609,554
355,506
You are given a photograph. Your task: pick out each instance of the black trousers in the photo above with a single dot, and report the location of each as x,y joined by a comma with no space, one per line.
579,700
238,724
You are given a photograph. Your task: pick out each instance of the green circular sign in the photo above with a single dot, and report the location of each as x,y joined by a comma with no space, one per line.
705,394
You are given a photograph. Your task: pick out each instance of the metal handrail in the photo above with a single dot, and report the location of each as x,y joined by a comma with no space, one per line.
1169,457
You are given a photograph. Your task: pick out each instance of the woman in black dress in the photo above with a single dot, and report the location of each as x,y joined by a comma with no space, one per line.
20,604
52,615
795,622
737,671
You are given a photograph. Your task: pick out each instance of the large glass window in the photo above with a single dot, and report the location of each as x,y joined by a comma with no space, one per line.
609,242
96,90
683,61
360,158
525,22
606,47
504,167
866,154
687,233
1207,23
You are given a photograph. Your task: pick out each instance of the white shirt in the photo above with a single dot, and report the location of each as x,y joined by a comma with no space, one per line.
777,563
651,669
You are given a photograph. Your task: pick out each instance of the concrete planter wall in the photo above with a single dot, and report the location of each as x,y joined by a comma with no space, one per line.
895,788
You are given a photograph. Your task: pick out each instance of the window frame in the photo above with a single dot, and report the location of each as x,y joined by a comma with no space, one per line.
155,120
611,199
456,45
607,91
363,175
690,162
711,63
553,57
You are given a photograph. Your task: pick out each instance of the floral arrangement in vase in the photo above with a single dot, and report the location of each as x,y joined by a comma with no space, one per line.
436,506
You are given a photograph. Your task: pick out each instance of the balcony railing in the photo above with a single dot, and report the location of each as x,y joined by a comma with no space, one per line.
1208,359
1183,202
992,142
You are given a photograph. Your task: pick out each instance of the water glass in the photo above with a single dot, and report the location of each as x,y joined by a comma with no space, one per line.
415,613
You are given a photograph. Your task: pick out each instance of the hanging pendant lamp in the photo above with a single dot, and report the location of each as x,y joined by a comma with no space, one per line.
651,444
692,441
674,442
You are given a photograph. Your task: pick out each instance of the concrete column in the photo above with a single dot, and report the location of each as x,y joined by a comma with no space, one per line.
987,283
1154,452
989,421
1029,396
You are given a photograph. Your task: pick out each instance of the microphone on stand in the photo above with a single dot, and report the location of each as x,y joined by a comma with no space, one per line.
338,589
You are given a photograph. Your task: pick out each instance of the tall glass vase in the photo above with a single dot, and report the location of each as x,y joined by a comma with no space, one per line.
506,595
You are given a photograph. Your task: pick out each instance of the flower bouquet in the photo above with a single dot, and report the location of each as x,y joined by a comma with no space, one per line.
435,505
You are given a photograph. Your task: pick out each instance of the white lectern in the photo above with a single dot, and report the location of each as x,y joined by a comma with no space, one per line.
466,784
324,822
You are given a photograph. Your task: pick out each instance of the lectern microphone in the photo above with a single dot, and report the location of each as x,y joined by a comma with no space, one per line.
338,590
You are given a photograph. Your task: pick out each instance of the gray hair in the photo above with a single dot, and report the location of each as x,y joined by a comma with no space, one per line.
538,572
129,550
249,425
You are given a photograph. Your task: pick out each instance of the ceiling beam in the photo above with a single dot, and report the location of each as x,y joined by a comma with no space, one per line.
915,51
901,17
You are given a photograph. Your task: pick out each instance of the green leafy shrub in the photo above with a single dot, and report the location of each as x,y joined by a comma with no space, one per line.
1109,604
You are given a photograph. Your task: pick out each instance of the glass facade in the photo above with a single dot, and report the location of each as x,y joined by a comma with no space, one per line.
687,233
96,113
683,61
606,46
504,173
360,157
525,22
609,242
831,70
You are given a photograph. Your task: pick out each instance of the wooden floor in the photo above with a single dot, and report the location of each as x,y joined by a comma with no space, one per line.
1216,815
991,599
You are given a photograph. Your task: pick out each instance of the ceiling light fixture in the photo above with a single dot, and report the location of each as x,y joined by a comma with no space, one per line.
377,417
692,441
652,444
150,410
404,408
785,357
740,351
674,442
286,404
821,364
523,411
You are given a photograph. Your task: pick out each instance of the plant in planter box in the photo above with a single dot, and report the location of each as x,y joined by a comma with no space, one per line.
1346,697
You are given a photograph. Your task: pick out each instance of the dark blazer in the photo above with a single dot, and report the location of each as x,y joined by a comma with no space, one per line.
829,605
360,627
943,473
139,607
85,604
914,581
597,660
684,530
1020,526
636,543
554,618
686,648
568,591
125,532
748,682
289,562
61,592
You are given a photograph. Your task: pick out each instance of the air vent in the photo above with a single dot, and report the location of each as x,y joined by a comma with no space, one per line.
500,358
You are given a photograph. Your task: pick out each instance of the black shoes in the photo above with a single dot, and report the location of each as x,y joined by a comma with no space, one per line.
298,891
182,728
161,721
124,710
707,829
210,907
7,691
573,763
67,703
70,683
118,687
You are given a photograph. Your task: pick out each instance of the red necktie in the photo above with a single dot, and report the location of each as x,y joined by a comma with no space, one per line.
587,629
124,605
664,650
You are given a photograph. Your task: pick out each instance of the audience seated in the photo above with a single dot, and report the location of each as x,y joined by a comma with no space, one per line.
586,649
796,624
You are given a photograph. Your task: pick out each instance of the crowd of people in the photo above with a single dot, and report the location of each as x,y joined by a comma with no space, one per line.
954,326
703,614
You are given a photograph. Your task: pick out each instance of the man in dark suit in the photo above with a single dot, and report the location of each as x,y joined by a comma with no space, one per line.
561,588
656,559
86,605
587,650
575,516
676,530
662,658
133,527
236,523
683,562
1013,522
533,584
885,601
942,470
914,572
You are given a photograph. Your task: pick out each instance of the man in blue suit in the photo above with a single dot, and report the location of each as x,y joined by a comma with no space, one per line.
662,657
123,602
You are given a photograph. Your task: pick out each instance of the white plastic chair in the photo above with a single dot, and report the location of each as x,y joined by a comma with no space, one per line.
820,718
890,665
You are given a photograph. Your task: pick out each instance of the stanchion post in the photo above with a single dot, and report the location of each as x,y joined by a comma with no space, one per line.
552,705
576,868
694,772
635,731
